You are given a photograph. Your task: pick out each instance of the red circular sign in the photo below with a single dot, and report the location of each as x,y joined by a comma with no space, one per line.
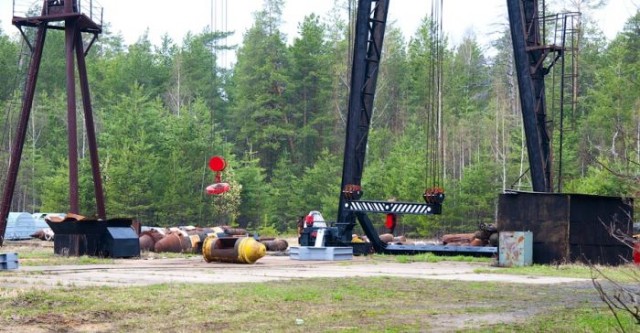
217,163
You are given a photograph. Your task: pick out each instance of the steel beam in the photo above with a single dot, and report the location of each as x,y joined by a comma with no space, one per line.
529,53
371,21
90,127
75,24
71,33
21,131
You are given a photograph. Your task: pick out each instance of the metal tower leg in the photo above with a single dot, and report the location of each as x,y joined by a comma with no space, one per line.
91,132
71,34
18,144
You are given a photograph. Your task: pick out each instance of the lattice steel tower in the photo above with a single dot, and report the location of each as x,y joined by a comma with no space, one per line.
75,18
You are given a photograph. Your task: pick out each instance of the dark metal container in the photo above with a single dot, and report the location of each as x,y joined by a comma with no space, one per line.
103,238
569,227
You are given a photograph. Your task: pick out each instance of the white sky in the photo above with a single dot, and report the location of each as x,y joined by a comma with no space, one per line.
132,17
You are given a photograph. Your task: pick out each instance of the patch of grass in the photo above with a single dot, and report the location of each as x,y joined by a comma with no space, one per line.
324,304
430,257
54,260
34,253
38,253
593,319
168,255
624,273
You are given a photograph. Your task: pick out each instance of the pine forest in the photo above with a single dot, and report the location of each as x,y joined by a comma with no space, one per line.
278,117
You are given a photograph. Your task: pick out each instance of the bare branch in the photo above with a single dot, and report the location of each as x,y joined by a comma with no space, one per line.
619,297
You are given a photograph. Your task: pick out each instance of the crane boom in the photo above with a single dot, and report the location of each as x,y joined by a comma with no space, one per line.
529,53
371,18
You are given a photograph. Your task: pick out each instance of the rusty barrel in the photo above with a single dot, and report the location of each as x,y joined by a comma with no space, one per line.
275,244
149,238
234,231
146,242
173,242
243,250
386,238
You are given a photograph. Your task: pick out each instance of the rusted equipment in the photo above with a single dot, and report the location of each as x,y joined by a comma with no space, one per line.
275,244
487,234
516,248
457,239
478,242
146,242
176,242
45,234
149,238
391,239
386,238
74,20
190,239
234,231
243,250
400,239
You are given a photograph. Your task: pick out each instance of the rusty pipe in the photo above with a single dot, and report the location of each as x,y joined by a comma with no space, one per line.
275,244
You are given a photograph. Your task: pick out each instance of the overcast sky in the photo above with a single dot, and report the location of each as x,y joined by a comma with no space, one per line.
132,17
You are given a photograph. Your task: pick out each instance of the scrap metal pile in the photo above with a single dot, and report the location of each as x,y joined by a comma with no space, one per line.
486,235
222,244
385,238
191,239
43,234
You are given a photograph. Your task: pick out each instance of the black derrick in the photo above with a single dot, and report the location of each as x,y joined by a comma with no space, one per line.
530,53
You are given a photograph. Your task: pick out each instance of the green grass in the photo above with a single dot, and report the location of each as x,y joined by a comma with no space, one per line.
170,255
46,257
325,305
34,255
430,257
61,260
598,319
624,273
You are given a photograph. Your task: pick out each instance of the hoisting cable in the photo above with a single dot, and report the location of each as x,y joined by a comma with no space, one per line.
434,192
217,23
216,163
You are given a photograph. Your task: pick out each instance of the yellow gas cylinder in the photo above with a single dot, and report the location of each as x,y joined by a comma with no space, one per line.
243,250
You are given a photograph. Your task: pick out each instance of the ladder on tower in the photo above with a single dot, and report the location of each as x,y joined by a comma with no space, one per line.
564,30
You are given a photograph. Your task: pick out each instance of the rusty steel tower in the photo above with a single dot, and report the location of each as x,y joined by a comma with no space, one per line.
76,18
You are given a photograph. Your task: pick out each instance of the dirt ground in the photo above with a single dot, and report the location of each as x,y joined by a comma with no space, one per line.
274,266
127,272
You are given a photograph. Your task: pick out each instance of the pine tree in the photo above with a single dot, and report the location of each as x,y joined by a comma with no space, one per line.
259,120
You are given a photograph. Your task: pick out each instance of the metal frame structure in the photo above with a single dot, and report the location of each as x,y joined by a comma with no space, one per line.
532,63
75,18
530,52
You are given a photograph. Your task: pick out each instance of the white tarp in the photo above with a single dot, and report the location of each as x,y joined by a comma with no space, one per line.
20,225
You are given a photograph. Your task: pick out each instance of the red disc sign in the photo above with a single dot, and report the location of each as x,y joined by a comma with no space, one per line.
217,163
